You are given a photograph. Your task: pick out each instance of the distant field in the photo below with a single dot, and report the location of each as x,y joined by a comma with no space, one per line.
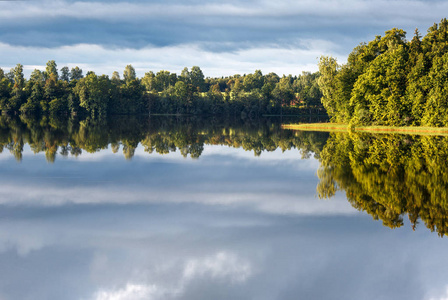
334,127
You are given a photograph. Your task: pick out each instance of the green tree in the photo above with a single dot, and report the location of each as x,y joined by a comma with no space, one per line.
378,96
5,93
76,73
51,68
163,80
17,94
185,76
129,74
116,78
32,106
436,106
328,68
283,92
253,81
65,74
197,78
148,81
37,76
94,94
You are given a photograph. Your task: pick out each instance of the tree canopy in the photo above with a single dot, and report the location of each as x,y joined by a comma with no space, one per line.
390,81
249,95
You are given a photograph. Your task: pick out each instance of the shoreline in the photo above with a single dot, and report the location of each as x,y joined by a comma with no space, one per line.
336,127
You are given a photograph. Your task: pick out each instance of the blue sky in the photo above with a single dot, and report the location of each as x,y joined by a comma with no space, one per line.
223,38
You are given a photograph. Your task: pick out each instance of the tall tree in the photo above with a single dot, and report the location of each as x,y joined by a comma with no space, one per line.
129,74
148,81
76,73
185,76
65,74
52,69
328,68
197,78
37,76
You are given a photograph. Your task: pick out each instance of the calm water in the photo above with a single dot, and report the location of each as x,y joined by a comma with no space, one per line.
230,211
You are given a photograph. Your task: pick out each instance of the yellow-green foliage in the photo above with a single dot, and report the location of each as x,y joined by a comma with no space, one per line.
389,176
390,81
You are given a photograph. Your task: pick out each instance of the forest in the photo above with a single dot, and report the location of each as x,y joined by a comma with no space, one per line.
68,91
390,81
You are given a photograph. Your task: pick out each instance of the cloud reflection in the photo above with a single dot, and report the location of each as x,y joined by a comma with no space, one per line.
253,233
235,179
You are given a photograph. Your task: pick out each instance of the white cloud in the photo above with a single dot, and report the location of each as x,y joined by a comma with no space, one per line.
130,292
276,198
302,57
262,33
443,296
221,265
271,196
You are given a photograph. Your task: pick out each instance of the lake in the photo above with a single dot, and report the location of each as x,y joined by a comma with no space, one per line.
185,208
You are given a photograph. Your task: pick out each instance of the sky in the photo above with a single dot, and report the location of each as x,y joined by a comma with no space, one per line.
222,37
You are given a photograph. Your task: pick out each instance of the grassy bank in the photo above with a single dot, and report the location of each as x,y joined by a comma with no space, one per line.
334,127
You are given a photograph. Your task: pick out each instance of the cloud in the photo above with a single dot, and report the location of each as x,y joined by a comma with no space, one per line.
220,265
224,38
289,188
268,199
292,60
444,295
200,12
129,292
176,252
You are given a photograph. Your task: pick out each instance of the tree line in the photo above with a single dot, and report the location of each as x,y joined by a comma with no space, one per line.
390,81
68,91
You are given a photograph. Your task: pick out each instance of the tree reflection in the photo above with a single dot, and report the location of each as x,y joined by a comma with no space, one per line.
389,176
69,136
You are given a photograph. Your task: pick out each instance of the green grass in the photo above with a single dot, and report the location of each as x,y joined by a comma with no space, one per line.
334,127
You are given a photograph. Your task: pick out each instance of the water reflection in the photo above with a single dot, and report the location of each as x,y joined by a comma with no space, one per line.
389,176
229,225
162,135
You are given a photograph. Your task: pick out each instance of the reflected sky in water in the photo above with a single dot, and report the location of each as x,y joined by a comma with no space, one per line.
228,225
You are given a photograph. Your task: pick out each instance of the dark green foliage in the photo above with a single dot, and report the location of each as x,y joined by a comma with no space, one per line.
65,74
390,81
94,94
32,106
248,96
75,73
197,78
